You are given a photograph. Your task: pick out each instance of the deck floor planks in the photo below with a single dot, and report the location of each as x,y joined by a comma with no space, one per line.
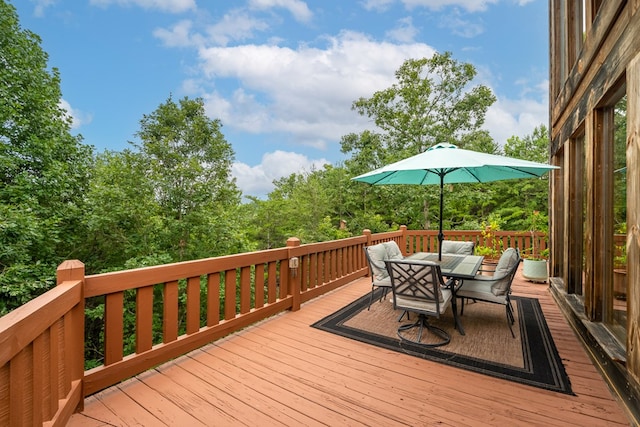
329,391
415,388
445,380
311,376
235,400
268,387
188,392
152,392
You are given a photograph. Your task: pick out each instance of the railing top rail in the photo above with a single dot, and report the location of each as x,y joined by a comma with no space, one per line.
22,325
101,284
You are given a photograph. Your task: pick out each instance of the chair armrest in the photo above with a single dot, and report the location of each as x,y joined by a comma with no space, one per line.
481,278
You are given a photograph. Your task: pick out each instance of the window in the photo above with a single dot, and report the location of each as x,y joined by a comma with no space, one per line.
616,309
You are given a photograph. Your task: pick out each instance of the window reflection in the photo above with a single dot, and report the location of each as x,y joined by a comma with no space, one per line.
617,318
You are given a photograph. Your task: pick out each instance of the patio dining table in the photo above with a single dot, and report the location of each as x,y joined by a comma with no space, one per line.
456,267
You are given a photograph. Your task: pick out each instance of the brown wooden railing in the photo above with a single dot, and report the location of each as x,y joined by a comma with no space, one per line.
41,354
42,377
531,244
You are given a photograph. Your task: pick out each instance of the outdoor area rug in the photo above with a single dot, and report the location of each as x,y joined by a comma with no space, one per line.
487,346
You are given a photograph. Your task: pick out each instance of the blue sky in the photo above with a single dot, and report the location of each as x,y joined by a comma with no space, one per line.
281,75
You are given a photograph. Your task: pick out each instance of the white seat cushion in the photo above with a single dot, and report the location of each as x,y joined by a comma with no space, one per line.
453,247
383,283
480,290
506,263
378,254
411,304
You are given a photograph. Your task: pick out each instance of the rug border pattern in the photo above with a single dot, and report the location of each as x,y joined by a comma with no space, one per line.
543,367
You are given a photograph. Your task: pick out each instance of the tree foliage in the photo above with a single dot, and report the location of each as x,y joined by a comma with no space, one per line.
189,164
431,102
171,196
43,168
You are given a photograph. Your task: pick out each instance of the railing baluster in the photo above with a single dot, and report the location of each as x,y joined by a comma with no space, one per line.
39,378
272,279
284,283
193,305
245,290
114,327
230,294
144,319
213,299
259,285
170,312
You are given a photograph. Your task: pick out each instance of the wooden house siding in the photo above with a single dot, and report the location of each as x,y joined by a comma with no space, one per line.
592,66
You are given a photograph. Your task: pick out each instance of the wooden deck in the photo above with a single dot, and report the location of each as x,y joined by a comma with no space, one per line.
282,372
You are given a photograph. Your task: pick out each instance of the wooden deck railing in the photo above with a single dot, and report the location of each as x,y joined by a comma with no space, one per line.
42,377
41,354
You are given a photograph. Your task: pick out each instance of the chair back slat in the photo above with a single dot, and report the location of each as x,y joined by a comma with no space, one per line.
416,281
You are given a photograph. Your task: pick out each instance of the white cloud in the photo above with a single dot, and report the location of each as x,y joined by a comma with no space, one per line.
301,96
78,118
461,27
298,9
258,180
172,6
509,117
377,5
404,32
305,92
40,7
179,35
468,5
235,25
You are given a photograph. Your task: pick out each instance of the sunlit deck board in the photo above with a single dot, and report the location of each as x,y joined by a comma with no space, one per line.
282,372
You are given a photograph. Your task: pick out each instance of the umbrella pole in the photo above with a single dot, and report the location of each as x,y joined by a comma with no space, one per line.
440,233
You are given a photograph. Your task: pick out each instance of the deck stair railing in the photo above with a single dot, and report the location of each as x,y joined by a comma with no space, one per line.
42,343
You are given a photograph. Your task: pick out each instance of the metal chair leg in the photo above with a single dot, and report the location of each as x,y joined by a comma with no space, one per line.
422,323
371,298
510,319
402,315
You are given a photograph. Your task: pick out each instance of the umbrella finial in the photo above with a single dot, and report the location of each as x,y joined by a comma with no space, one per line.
442,145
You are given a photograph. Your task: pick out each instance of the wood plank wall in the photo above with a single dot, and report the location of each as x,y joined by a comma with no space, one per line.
591,68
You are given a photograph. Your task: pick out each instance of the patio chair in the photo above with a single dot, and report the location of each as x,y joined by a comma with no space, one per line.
418,287
454,247
376,255
496,288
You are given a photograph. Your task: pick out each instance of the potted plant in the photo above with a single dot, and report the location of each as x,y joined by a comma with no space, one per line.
534,266
492,245
620,272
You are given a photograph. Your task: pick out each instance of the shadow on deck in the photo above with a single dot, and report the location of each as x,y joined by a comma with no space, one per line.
282,372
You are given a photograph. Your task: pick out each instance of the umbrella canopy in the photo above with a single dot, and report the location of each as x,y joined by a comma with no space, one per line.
448,164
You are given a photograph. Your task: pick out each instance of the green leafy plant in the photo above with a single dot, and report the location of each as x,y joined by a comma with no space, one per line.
492,247
537,223
620,259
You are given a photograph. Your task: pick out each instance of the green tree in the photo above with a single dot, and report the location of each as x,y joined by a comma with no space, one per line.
619,166
122,216
189,165
515,200
43,168
432,101
534,147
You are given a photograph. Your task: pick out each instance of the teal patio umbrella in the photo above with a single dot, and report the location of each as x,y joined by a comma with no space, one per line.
447,164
